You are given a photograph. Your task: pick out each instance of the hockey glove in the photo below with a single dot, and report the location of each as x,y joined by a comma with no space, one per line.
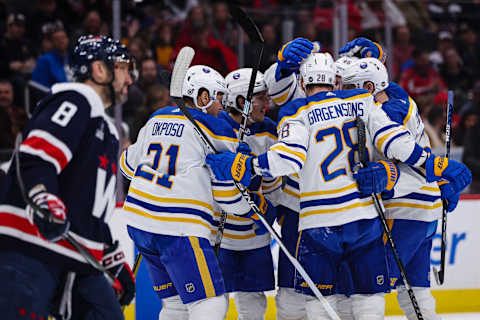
377,177
228,166
267,210
363,48
114,262
244,148
455,172
291,55
449,194
51,222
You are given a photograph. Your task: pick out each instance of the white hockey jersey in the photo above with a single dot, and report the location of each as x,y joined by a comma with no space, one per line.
171,191
413,198
318,139
239,232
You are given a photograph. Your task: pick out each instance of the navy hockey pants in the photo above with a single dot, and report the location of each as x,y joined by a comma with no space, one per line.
28,288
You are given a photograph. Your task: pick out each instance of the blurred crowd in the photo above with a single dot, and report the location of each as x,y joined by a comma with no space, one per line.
436,47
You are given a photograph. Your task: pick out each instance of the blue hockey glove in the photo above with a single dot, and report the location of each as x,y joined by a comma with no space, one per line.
363,48
267,210
52,230
244,148
291,55
114,262
377,177
228,166
455,172
449,194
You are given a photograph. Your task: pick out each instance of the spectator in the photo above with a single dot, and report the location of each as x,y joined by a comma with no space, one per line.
162,45
52,67
472,104
402,51
138,49
16,57
222,28
92,24
444,12
421,79
416,14
270,49
444,42
469,120
157,96
469,48
208,51
456,76
375,12
180,9
471,155
45,18
16,116
434,125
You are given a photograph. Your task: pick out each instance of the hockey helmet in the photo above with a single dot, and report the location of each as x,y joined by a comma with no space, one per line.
364,70
237,86
98,48
344,63
318,68
203,77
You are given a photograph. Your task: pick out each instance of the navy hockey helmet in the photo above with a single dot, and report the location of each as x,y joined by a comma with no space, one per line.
97,48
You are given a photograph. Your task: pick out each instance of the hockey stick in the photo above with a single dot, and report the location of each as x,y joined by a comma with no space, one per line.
184,58
45,214
136,266
251,29
381,214
182,63
440,274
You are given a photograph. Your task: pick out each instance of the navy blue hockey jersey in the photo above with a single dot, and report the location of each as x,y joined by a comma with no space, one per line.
71,147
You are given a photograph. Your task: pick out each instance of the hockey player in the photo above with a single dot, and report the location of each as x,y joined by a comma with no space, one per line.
337,223
68,165
170,204
245,256
413,207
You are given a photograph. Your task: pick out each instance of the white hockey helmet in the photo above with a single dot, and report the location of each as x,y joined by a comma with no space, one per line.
343,63
318,68
237,83
203,77
364,70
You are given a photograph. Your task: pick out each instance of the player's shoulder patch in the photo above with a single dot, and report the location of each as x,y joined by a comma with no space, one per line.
397,109
167,111
217,126
352,94
395,91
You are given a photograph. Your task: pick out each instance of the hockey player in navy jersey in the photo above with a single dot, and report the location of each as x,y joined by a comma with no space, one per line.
172,202
245,256
68,165
413,206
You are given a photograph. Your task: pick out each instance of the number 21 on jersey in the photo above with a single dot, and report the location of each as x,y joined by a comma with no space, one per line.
162,180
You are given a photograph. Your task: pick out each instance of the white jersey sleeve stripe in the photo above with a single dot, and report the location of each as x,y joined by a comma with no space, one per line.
42,155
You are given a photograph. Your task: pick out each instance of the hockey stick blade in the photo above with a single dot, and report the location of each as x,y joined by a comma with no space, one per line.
182,63
247,24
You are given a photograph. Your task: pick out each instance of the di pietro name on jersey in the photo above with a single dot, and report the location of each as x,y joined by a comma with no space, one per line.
173,129
345,109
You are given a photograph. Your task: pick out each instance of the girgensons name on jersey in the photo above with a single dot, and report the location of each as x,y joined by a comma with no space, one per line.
345,109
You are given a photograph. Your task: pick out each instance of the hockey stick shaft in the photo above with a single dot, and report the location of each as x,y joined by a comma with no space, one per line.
381,213
245,194
47,215
136,267
440,275
254,34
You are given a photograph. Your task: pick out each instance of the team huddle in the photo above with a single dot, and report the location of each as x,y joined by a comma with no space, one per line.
303,172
